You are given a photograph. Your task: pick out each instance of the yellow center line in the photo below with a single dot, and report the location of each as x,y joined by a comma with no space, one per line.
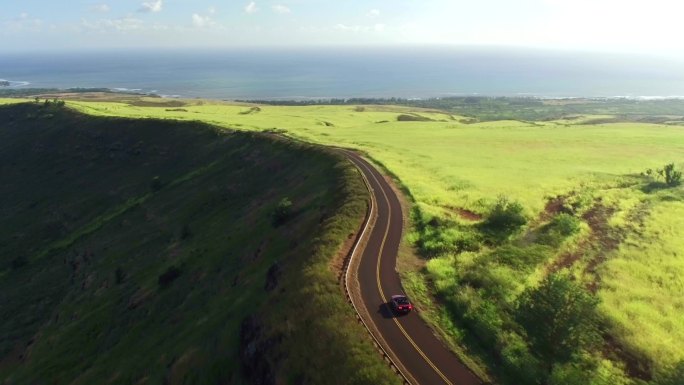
382,295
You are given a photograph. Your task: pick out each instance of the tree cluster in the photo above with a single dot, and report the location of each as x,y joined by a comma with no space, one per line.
668,174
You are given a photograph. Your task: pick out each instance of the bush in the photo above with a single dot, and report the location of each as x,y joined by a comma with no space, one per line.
565,224
505,219
436,240
282,212
561,226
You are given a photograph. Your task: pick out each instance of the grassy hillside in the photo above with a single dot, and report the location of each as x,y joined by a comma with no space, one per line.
147,252
577,216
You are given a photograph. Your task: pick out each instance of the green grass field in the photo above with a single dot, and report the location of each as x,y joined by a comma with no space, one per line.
626,251
145,252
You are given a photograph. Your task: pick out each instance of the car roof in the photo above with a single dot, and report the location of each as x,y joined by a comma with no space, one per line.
399,296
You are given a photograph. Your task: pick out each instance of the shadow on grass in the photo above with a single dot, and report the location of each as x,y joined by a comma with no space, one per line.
654,187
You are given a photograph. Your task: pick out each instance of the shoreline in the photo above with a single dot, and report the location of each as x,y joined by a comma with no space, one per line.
22,87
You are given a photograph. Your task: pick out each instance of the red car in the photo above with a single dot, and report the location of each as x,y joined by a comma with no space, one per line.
401,304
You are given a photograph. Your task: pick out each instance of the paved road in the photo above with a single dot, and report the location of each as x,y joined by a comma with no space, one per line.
409,339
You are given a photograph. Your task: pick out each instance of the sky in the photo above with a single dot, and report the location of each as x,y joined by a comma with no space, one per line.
627,26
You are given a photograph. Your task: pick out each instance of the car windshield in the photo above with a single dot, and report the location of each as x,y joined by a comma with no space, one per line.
402,300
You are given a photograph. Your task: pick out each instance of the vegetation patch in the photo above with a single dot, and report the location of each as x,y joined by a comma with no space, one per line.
413,118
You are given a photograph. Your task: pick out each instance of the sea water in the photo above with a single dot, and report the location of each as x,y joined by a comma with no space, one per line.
313,73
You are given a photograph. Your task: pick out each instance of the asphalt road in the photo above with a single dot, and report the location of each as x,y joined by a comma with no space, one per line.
408,337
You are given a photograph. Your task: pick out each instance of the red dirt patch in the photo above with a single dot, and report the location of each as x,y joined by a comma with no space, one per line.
603,238
567,259
467,214
601,241
554,206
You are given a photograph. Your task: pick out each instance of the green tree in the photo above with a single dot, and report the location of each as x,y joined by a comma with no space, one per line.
672,176
559,317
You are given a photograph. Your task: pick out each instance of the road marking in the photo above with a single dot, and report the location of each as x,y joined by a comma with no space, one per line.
382,295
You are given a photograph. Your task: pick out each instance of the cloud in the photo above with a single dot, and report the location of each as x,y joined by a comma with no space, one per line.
124,24
100,8
212,10
282,9
373,13
151,6
200,21
251,8
23,23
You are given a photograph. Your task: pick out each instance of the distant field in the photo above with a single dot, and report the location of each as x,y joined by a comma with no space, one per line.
626,250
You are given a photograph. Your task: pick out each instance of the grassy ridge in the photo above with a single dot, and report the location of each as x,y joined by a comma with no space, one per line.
134,251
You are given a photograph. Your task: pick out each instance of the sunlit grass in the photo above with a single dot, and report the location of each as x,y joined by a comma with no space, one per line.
643,287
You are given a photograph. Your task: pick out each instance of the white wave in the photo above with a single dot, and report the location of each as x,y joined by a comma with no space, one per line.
122,89
15,83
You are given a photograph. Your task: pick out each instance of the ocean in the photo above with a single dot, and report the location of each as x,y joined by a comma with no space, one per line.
345,73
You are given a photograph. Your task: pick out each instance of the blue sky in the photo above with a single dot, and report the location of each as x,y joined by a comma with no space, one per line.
651,26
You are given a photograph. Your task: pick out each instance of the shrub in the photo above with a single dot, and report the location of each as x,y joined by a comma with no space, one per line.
561,226
565,224
505,219
436,240
282,212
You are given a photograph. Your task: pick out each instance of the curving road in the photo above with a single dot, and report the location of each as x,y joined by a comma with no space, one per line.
422,358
